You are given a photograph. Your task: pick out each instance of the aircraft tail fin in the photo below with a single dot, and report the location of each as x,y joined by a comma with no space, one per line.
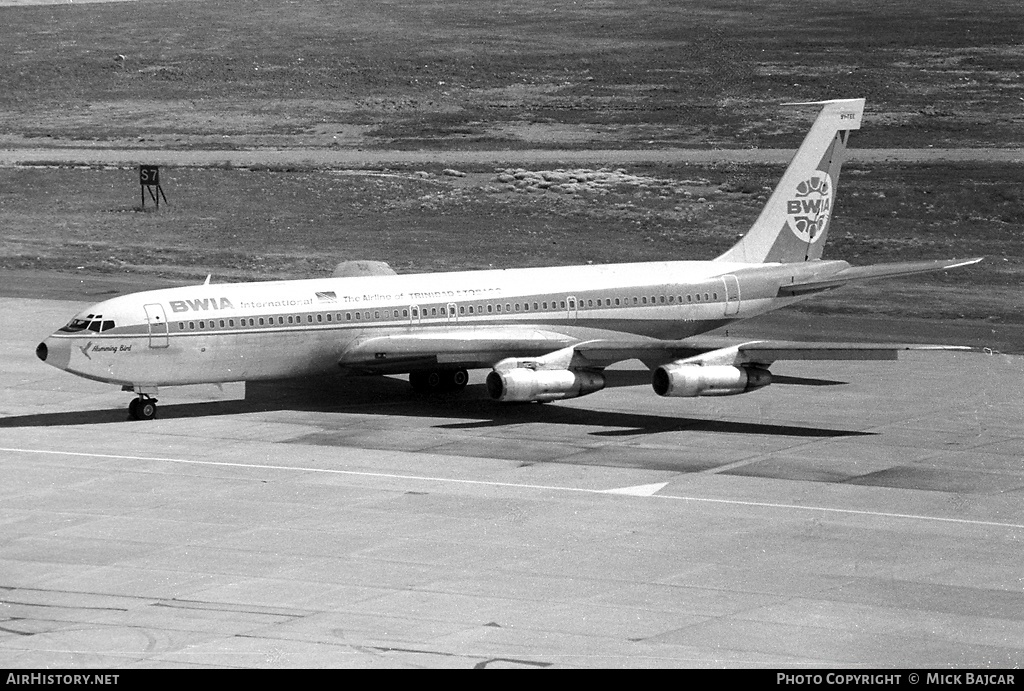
794,223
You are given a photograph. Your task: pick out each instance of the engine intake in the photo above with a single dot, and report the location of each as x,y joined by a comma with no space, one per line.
522,384
689,380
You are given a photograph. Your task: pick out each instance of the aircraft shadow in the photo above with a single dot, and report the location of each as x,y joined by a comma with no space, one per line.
393,397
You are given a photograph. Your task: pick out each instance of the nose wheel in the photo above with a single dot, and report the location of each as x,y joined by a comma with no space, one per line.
142,408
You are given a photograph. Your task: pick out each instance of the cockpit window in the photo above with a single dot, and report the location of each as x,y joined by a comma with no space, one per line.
91,322
76,325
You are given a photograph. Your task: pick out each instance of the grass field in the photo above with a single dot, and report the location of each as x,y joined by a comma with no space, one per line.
471,73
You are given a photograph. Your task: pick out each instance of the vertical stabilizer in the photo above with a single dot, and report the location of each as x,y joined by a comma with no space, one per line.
794,223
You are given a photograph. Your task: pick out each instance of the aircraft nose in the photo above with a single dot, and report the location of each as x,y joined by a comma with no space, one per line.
56,353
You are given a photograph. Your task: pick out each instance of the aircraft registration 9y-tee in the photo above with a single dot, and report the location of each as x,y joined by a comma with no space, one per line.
546,333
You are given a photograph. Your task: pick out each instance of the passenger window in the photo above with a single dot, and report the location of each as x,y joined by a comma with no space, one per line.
715,295
192,325
462,309
645,301
320,317
181,326
706,296
545,305
357,315
405,313
329,317
698,297
490,308
663,299
563,304
471,309
499,307
535,306
517,307
508,307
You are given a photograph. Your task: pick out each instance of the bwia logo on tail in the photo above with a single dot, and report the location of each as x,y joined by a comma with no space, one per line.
794,223
810,207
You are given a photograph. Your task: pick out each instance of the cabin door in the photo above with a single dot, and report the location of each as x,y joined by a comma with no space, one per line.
157,326
732,295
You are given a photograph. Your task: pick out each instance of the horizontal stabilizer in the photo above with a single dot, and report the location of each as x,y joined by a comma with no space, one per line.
864,273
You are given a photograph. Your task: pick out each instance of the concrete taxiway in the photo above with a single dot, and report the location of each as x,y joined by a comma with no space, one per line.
854,514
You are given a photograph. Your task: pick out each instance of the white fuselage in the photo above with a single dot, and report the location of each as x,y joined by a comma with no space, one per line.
280,329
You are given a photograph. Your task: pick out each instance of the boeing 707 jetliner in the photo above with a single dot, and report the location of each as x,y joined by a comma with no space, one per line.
546,333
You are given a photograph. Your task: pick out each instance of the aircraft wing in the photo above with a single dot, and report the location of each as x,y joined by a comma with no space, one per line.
468,348
485,347
711,350
863,273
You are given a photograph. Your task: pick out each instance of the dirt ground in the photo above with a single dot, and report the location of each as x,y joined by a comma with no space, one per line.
484,74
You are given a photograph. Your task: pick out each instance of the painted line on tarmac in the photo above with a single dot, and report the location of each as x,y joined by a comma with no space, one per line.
622,491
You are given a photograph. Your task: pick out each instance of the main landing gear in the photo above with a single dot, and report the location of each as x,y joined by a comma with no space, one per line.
438,381
142,408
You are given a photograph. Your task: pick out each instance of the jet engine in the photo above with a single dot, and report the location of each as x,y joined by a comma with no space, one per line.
524,384
688,380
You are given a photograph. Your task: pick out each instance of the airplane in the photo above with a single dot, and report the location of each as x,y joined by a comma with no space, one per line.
547,334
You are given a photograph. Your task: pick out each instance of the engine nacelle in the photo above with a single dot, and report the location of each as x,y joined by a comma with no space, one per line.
523,384
688,380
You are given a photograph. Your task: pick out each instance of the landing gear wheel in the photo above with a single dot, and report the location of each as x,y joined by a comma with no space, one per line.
437,381
456,380
418,382
142,409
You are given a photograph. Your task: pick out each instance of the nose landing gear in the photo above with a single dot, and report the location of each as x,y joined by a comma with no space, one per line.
142,408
